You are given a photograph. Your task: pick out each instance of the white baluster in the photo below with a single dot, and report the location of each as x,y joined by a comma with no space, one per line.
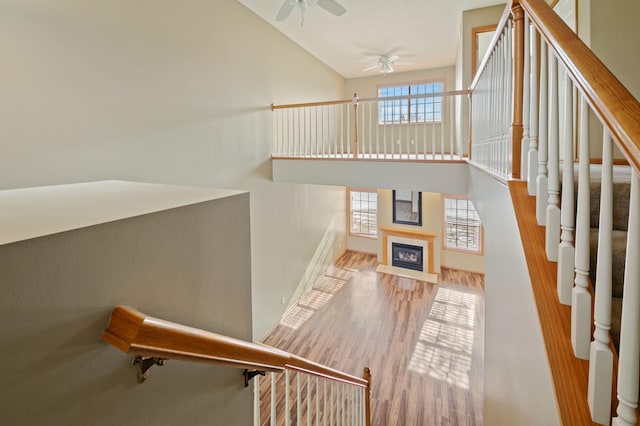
287,410
433,131
533,121
393,139
552,231
317,385
298,400
325,410
256,400
600,355
314,128
628,365
331,409
451,128
273,399
424,133
306,131
309,406
543,134
371,127
442,110
526,85
349,132
580,296
324,134
344,127
566,254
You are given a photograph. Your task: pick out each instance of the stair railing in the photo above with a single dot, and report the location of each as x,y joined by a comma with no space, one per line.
411,127
496,102
310,391
568,92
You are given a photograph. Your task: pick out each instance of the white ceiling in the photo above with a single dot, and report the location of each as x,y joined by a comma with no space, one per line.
424,32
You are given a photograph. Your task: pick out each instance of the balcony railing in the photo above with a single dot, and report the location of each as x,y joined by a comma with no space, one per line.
416,127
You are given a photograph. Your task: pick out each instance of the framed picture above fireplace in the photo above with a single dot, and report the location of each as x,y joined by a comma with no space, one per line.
407,207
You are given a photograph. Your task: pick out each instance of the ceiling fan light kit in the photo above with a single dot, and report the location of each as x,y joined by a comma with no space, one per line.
287,7
385,63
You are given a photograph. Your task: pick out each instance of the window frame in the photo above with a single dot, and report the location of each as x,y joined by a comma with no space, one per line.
445,247
441,81
350,212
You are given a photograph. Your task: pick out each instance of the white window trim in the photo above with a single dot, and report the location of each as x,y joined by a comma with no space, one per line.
350,212
409,122
480,250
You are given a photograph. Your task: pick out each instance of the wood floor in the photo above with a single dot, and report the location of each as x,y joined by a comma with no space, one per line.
423,342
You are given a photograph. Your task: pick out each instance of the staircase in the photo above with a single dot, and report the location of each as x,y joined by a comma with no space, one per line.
529,110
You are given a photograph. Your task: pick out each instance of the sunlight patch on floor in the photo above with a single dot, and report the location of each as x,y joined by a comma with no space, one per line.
342,273
445,345
329,284
316,297
296,316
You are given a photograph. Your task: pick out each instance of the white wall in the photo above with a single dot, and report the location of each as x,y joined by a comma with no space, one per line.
170,92
58,292
617,49
517,379
595,19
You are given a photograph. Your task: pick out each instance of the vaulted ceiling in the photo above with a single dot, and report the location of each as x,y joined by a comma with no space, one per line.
424,33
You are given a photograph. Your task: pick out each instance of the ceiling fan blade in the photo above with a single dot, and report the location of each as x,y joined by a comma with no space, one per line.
371,67
285,10
332,7
392,59
403,63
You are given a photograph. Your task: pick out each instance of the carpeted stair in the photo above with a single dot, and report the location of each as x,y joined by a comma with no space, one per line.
621,195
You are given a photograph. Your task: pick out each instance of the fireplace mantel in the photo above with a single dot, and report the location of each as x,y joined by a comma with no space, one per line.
408,233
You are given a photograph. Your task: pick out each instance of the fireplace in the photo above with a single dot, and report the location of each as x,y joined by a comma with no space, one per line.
407,256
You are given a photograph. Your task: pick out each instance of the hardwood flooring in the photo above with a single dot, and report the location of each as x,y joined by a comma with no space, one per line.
423,342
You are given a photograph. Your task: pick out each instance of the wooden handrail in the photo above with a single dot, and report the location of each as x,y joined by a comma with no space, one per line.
615,105
386,98
138,334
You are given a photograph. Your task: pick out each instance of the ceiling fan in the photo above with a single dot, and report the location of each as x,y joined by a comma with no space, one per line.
330,6
385,63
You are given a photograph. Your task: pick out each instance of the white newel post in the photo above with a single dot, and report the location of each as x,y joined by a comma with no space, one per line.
543,135
524,145
580,296
566,251
533,122
628,365
552,231
600,355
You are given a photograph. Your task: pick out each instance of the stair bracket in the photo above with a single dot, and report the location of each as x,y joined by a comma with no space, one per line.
248,375
144,364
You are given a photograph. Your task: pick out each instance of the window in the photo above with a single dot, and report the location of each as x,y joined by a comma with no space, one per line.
462,227
411,110
363,208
